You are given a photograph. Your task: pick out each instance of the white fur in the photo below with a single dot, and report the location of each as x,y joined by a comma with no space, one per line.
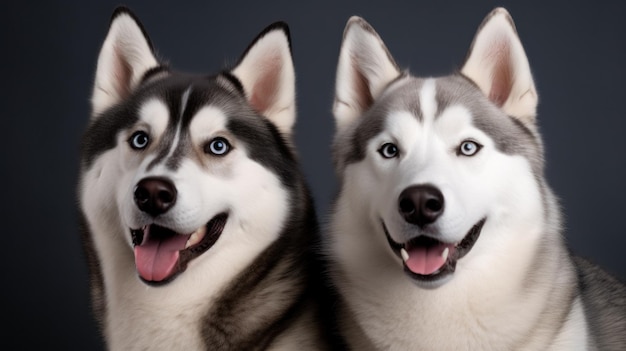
487,304
428,101
183,107
125,47
497,47
363,56
268,77
574,334
169,317
140,316
481,307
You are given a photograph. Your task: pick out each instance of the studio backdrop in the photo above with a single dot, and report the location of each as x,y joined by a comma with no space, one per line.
576,49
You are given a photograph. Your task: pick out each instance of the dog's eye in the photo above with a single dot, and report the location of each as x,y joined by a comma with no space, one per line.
218,147
469,148
388,150
139,140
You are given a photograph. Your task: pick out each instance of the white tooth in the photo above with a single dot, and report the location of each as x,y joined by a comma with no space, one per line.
404,254
192,240
445,253
196,237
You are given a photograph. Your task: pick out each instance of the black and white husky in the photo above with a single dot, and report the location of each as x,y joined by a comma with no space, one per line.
445,235
198,223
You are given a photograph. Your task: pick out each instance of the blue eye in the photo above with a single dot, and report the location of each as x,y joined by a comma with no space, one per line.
388,150
139,140
218,147
469,148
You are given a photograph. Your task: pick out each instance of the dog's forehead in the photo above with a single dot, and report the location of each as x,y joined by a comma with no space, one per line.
155,113
185,95
508,133
429,99
162,103
198,108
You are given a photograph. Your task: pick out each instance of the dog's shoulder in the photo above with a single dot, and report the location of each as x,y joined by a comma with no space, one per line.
604,300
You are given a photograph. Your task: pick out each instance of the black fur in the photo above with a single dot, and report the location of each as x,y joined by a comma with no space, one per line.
240,317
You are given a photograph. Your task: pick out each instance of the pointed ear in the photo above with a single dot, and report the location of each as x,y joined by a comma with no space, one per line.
497,63
124,58
365,68
267,74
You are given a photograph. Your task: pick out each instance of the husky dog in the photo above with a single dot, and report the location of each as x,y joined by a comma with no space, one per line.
445,235
198,224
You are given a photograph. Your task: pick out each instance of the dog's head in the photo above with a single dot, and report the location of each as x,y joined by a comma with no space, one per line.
177,164
427,165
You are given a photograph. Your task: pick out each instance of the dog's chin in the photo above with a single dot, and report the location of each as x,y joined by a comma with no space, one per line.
161,254
429,262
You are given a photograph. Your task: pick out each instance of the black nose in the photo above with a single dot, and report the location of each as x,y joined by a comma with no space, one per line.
420,204
155,196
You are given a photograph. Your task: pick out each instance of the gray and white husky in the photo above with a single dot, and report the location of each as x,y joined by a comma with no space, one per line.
198,225
444,234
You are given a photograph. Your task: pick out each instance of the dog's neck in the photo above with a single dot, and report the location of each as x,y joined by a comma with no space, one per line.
159,317
479,307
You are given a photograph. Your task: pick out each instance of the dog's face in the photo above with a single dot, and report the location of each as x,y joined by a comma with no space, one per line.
177,167
439,166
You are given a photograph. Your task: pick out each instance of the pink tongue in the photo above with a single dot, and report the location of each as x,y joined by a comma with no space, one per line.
156,258
427,260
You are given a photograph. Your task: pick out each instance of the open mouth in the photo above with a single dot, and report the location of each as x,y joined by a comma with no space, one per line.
161,254
427,259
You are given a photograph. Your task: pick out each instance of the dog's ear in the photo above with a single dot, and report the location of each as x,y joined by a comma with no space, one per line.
497,63
365,68
125,57
267,74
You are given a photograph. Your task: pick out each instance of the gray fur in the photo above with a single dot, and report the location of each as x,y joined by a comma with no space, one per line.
604,299
576,298
510,135
261,303
275,301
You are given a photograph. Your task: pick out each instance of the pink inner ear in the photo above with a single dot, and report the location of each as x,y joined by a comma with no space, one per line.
267,85
122,74
363,96
502,72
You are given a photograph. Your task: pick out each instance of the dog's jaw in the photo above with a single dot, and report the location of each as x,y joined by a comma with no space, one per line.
429,262
161,254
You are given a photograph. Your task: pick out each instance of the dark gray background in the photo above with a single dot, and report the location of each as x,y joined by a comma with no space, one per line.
577,51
